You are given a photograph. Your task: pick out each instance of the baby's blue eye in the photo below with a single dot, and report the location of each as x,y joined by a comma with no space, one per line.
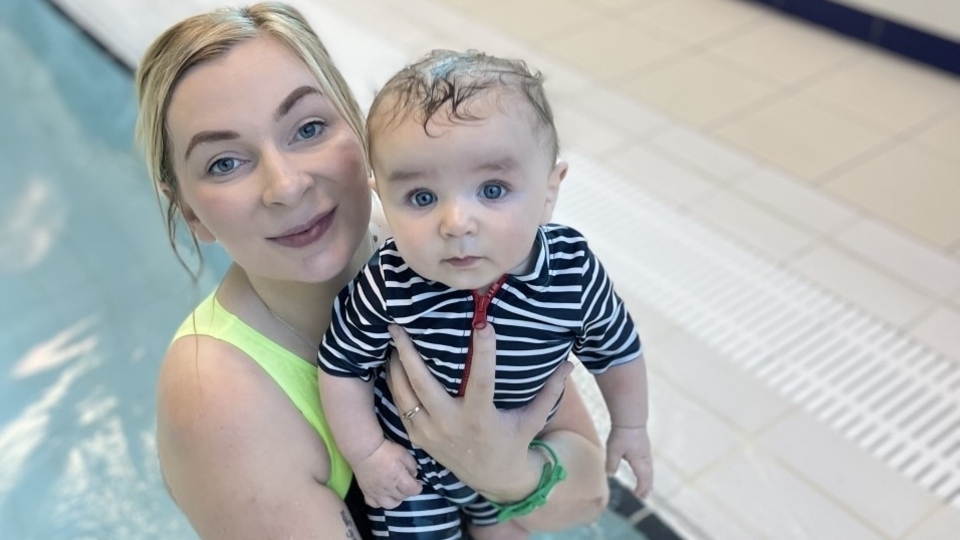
223,166
310,129
422,198
493,191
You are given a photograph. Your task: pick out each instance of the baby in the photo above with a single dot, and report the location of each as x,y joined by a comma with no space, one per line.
464,151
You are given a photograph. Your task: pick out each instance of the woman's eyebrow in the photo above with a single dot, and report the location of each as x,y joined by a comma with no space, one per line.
282,110
209,136
292,100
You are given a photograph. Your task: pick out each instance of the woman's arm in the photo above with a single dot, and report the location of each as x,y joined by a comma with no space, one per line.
488,449
238,458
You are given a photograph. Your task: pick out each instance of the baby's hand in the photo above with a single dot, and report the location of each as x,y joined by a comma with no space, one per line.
387,476
633,445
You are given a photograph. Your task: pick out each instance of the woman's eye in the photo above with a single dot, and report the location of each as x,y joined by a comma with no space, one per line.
310,129
422,198
223,166
493,191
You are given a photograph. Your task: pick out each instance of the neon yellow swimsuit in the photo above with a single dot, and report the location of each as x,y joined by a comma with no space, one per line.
298,379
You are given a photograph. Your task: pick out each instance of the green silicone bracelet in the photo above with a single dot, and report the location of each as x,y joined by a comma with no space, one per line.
553,473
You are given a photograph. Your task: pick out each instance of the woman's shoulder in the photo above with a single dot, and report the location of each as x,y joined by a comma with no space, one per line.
234,451
206,380
200,371
214,403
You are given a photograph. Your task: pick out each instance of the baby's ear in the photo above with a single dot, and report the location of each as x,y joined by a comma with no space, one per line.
557,175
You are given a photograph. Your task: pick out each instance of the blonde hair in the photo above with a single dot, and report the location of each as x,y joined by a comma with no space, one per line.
208,37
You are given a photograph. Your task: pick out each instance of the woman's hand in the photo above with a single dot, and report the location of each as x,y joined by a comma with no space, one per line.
488,449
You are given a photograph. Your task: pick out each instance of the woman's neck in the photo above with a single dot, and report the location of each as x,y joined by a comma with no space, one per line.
295,314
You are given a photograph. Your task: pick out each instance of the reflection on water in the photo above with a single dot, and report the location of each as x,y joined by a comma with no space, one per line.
609,527
84,304
29,223
65,346
20,437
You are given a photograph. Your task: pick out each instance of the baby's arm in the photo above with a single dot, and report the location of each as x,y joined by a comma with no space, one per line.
386,473
624,389
352,349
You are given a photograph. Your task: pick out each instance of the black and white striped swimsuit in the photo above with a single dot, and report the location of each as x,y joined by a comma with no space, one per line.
565,303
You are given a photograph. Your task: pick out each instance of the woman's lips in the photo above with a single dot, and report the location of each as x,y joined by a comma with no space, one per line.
304,235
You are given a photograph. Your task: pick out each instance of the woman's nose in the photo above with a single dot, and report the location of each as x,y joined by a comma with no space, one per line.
458,219
284,181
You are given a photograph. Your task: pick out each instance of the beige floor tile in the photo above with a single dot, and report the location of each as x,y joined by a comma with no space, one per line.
751,225
583,132
705,152
613,107
531,19
660,176
944,135
888,92
627,5
862,285
941,330
799,200
942,525
875,492
666,480
787,50
694,21
697,90
440,26
559,80
743,400
469,6
711,517
800,136
383,22
654,328
607,50
773,500
910,187
703,441
901,254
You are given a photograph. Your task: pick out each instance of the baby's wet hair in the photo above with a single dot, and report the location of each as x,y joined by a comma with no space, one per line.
449,82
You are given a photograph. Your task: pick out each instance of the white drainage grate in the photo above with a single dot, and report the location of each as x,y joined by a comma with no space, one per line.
895,397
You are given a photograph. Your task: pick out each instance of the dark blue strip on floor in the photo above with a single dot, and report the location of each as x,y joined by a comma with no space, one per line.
877,30
626,505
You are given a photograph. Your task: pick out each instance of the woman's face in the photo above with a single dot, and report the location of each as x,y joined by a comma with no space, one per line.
266,165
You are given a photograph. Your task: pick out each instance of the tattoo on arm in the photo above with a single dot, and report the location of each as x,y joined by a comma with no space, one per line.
352,533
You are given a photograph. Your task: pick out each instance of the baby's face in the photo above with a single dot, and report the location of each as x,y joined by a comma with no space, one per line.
464,201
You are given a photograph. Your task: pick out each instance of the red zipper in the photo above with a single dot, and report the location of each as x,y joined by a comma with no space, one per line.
480,305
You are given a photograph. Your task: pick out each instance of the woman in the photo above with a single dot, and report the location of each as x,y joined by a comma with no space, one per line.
254,138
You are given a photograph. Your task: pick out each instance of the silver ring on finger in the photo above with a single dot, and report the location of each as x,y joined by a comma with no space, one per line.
411,413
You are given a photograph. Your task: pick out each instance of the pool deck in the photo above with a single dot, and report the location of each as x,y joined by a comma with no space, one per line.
778,206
